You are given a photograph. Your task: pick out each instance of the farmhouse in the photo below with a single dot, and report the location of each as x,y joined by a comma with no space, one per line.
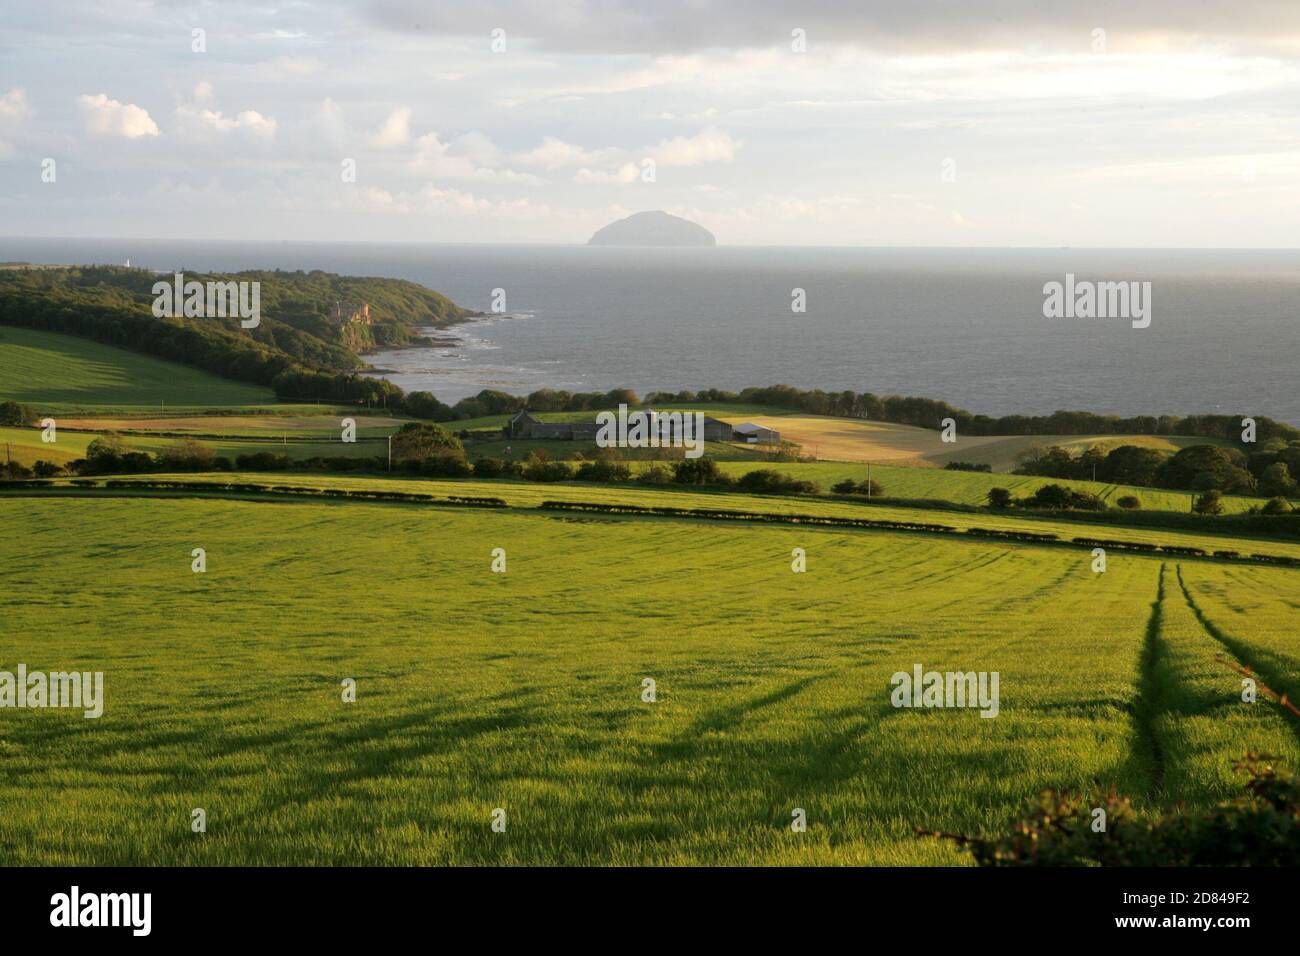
524,425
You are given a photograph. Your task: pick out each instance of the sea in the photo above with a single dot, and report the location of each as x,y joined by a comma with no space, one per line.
963,325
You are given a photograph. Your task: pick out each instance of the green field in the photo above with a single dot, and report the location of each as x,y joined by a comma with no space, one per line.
527,494
45,368
522,690
972,488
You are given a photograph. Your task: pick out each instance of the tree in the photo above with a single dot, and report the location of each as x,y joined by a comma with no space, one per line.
604,470
1202,467
425,405
1276,480
16,414
656,475
1274,506
1129,502
1132,465
416,441
1209,503
697,471
999,498
186,455
539,467
107,446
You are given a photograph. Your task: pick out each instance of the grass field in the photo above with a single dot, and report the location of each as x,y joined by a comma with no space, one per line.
843,439
44,367
522,690
527,494
972,488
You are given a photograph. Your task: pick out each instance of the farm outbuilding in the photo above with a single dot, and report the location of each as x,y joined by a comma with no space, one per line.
756,434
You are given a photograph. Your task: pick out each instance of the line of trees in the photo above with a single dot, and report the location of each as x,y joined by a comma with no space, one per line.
1268,471
930,413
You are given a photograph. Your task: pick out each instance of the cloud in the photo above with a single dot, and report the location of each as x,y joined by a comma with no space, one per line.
327,124
13,107
470,156
675,26
627,173
707,146
14,113
202,124
396,130
105,117
554,153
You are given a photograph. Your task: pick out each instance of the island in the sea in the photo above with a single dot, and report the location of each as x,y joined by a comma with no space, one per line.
655,228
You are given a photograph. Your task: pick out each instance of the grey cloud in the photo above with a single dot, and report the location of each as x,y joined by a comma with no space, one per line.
676,26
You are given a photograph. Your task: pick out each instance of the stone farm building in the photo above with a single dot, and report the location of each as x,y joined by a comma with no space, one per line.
524,425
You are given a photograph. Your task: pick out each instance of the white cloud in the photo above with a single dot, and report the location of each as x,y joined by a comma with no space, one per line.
554,153
196,123
14,112
105,117
707,146
327,123
627,173
471,156
13,106
396,130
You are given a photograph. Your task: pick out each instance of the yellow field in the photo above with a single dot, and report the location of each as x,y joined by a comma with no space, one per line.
842,439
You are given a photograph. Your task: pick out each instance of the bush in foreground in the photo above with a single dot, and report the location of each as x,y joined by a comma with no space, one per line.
1260,828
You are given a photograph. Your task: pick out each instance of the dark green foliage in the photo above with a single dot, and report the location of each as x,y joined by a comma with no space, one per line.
1059,497
1260,828
1206,467
496,468
1129,502
864,488
539,467
16,414
929,413
604,470
263,461
967,466
1276,480
656,475
186,455
416,441
768,482
1210,503
295,348
699,471
1000,498
425,405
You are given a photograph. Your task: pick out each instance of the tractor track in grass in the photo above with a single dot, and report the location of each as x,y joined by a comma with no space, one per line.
1151,700
1239,651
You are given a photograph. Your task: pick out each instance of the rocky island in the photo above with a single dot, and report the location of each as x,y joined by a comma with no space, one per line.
655,228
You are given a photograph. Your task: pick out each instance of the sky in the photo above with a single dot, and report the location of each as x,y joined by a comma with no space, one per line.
1163,123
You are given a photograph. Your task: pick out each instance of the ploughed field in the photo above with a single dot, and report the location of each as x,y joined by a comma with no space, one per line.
523,690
